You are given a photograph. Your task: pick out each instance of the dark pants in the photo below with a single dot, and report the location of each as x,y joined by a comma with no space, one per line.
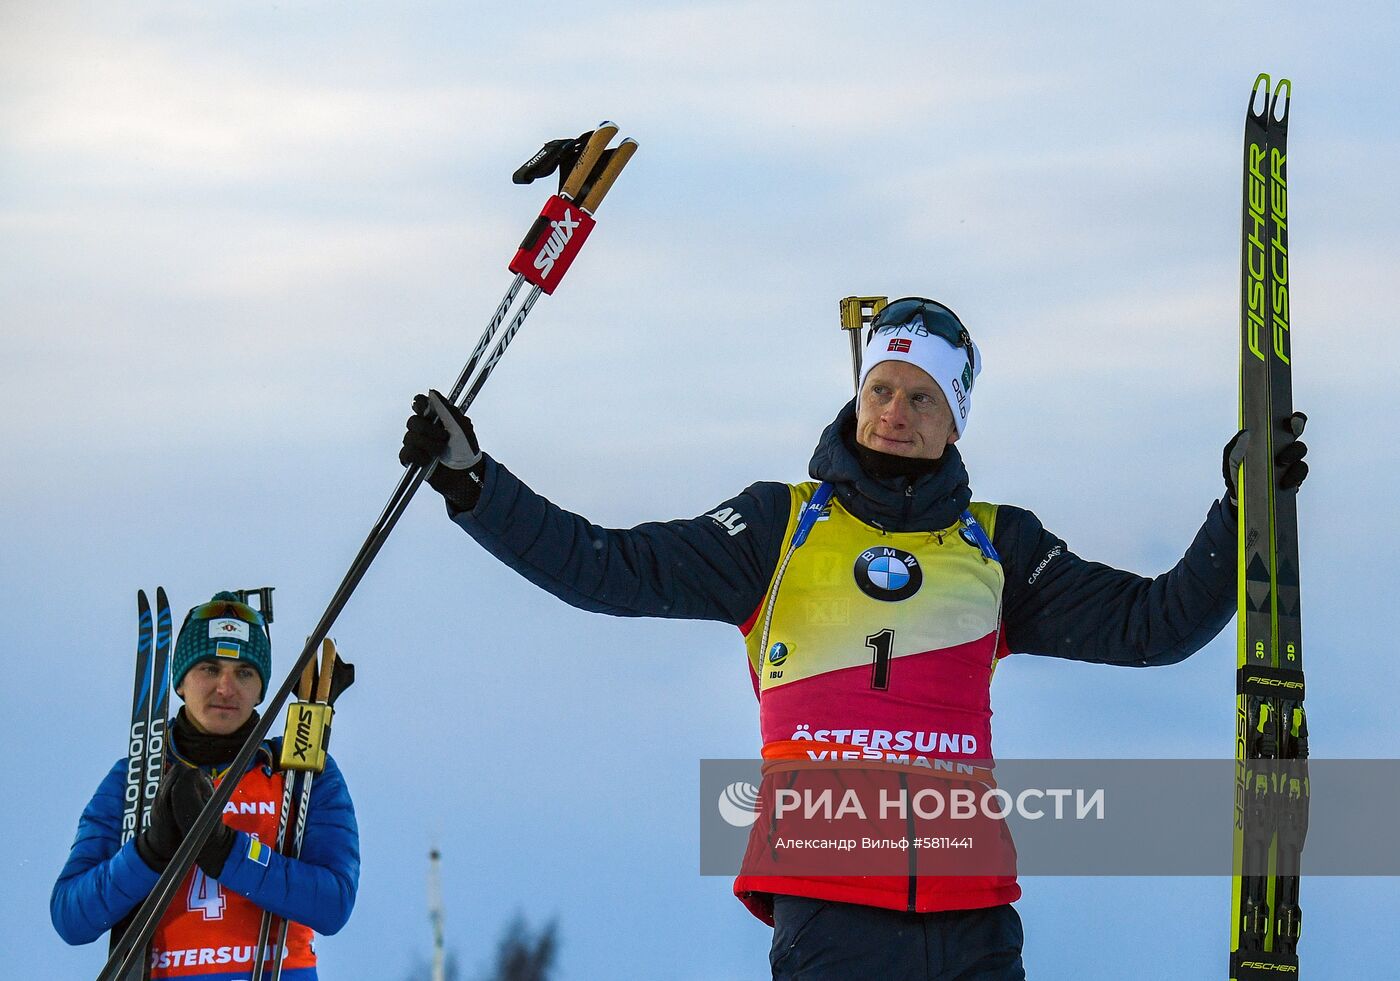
815,940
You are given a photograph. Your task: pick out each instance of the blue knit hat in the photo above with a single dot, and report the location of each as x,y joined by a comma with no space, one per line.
223,629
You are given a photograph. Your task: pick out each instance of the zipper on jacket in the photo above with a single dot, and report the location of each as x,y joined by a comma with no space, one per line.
908,503
912,899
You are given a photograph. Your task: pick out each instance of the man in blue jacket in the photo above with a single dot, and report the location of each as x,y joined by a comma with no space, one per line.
220,669
875,602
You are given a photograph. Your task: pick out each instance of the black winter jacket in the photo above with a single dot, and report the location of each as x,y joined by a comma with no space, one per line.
717,566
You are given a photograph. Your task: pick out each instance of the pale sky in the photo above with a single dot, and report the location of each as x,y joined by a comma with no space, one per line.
236,238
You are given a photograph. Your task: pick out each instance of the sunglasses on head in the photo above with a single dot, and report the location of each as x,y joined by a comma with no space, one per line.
223,609
938,320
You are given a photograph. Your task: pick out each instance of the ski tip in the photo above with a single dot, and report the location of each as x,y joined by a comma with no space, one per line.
160,597
141,602
1283,94
1261,86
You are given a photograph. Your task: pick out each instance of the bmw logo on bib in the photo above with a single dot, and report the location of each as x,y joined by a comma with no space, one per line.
888,574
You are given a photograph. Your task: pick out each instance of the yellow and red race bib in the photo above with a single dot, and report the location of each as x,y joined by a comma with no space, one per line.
209,931
878,646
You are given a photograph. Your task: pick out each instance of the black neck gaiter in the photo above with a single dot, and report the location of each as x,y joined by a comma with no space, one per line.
207,749
878,464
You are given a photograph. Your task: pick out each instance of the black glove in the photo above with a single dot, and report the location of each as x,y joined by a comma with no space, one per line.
190,788
156,845
437,430
1289,460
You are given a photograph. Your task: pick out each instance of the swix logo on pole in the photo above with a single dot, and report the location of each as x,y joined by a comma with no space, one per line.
552,242
554,247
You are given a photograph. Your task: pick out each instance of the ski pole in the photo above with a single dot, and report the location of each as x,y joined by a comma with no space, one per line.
577,175
590,203
288,797
305,753
413,476
549,248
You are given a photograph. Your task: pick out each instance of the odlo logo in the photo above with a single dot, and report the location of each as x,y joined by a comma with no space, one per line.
563,231
960,392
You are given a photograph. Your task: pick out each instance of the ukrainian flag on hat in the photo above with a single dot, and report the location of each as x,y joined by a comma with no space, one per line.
225,629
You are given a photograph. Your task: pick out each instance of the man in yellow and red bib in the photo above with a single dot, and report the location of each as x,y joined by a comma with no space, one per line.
875,602
220,669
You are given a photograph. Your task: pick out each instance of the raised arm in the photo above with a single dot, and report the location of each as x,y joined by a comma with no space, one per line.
1058,604
1061,605
712,567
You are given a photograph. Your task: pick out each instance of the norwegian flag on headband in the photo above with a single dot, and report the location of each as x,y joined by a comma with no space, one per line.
899,344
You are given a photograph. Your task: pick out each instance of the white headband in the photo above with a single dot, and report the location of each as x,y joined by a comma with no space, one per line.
944,362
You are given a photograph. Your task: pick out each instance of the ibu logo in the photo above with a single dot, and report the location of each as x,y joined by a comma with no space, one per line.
888,574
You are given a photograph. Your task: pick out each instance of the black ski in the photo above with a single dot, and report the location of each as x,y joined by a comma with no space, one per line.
136,733
132,818
160,706
1288,622
145,760
1271,744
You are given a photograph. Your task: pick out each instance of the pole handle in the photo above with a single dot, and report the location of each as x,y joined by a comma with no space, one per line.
308,681
592,150
323,684
605,180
